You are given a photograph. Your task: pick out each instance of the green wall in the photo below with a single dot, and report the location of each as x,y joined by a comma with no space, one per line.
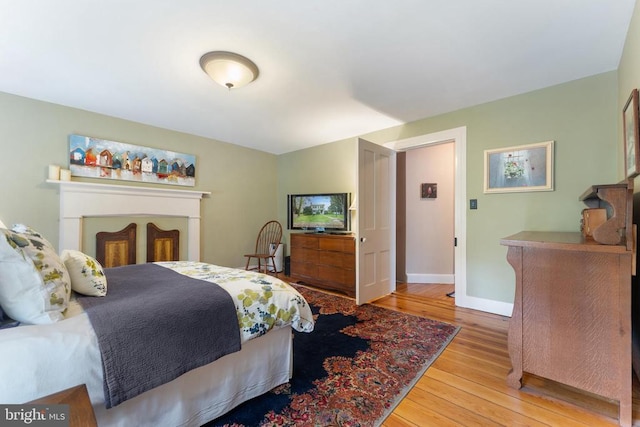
580,116
34,134
328,168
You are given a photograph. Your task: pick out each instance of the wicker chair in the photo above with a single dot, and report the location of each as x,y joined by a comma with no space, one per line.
266,245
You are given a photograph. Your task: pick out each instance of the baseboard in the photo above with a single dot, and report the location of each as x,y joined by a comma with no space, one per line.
487,305
481,304
447,279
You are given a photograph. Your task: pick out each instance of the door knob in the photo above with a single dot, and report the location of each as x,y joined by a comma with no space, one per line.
363,239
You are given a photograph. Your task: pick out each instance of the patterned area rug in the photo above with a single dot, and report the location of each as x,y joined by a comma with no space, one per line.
352,370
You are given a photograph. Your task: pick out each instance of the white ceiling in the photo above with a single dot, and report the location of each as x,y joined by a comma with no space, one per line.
329,70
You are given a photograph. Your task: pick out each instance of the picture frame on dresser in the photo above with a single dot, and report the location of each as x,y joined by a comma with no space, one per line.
631,136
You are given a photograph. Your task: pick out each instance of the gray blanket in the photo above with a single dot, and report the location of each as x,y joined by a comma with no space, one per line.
155,324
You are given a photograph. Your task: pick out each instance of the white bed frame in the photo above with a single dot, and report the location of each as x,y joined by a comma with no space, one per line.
205,393
38,360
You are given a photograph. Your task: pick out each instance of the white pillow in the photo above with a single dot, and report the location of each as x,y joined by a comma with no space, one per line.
34,282
87,275
2,225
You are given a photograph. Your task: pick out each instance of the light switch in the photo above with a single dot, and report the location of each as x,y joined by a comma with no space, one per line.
473,204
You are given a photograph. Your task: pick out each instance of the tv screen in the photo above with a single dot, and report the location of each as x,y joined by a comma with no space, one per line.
319,212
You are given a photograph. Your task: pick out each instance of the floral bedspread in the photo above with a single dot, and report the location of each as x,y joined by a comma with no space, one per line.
262,302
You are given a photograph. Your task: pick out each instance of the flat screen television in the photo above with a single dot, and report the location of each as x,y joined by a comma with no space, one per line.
319,212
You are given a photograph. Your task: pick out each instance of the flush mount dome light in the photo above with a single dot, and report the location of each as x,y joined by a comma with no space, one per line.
229,69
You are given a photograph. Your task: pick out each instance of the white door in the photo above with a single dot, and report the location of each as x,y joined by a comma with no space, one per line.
376,210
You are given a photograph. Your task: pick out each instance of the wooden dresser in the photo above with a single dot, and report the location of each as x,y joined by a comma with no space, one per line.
571,318
324,260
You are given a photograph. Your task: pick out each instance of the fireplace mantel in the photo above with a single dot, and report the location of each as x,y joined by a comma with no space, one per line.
85,199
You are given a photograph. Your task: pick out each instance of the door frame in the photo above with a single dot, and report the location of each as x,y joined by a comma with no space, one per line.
459,138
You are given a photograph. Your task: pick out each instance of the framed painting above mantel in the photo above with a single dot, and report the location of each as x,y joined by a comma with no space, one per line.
99,158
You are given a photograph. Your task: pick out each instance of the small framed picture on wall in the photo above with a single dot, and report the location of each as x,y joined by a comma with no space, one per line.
428,191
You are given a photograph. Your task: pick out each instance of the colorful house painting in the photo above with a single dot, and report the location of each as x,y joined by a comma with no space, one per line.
136,165
106,158
147,165
116,162
98,158
178,168
76,156
126,163
90,158
163,167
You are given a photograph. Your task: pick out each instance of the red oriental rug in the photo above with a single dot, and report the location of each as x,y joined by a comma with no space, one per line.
352,370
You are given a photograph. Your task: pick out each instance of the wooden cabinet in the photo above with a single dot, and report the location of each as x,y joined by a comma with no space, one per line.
80,410
571,320
324,260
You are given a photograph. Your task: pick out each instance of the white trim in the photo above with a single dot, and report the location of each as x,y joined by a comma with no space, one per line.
84,199
441,137
90,187
483,304
430,278
459,137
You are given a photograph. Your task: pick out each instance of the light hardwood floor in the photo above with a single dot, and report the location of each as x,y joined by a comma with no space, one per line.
466,385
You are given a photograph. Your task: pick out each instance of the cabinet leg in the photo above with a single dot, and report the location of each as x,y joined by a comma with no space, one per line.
514,379
514,338
625,415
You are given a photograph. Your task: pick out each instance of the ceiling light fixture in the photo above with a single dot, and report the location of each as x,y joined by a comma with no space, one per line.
229,69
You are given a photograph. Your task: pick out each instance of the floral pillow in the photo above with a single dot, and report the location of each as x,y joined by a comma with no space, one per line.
34,283
87,275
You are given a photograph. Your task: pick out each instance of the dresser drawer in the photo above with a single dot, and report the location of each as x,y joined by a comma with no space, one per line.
337,245
303,269
337,259
336,275
302,254
304,241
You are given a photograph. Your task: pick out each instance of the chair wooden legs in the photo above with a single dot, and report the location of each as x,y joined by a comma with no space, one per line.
260,268
275,268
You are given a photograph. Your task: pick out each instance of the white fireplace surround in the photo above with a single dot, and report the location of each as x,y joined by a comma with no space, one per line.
84,199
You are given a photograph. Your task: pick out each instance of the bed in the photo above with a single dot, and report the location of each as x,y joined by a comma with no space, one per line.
40,359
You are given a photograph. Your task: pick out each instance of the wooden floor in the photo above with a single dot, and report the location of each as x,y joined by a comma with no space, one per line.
466,385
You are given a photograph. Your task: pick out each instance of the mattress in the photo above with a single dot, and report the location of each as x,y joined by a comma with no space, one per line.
38,360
